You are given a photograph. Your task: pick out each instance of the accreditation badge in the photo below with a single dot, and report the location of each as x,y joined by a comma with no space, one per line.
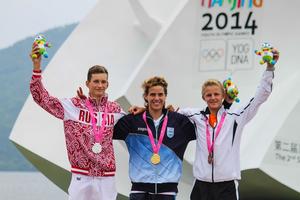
170,132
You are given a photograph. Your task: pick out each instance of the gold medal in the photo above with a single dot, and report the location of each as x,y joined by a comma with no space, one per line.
155,159
210,158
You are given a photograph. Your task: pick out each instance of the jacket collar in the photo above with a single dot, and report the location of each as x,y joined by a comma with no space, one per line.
101,102
207,111
164,112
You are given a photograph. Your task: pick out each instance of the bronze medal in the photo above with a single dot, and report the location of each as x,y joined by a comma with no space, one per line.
155,159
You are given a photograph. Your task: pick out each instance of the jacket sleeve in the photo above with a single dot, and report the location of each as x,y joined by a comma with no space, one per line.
188,128
122,128
226,104
246,113
41,96
190,113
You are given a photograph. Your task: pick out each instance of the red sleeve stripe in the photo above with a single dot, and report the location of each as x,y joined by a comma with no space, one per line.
36,73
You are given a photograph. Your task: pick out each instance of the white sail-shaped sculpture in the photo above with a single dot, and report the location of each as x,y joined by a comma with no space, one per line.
136,39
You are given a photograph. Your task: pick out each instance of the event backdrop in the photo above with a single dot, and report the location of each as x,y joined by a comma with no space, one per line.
186,41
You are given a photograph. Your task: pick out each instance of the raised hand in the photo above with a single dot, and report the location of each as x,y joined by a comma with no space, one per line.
275,57
227,98
136,110
36,60
80,93
170,108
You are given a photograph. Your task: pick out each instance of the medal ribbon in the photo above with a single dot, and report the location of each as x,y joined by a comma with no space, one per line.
98,133
210,145
156,147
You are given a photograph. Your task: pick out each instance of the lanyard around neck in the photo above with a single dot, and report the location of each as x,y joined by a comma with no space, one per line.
98,133
210,145
156,147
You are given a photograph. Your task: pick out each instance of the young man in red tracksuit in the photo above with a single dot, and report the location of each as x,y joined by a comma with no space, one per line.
88,127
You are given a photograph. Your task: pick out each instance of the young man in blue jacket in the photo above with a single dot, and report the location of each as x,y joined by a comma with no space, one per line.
156,140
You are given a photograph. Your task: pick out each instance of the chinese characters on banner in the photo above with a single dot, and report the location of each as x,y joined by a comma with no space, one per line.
287,152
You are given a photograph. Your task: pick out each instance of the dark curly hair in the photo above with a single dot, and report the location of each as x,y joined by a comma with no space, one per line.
154,81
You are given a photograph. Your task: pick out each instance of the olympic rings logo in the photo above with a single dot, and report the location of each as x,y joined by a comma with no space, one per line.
212,54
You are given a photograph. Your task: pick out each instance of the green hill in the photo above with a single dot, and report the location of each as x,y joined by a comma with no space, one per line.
15,74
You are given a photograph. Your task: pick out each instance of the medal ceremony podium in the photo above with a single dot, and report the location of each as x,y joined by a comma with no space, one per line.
187,42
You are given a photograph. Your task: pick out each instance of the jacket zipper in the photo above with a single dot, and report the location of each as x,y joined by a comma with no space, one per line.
212,164
156,128
156,135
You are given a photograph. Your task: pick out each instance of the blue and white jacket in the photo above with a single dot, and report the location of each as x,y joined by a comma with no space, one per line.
144,175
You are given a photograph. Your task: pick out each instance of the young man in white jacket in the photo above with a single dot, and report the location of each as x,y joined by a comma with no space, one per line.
219,130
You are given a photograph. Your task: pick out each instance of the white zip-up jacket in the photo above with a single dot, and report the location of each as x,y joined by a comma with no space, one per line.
226,165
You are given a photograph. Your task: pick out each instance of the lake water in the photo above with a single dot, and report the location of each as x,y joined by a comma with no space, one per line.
28,186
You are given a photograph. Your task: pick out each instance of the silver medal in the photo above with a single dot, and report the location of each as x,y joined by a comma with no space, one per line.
97,148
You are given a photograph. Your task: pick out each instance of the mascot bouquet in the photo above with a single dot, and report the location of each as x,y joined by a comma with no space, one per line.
266,54
231,89
42,43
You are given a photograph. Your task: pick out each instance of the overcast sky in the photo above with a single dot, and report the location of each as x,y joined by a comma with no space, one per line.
23,18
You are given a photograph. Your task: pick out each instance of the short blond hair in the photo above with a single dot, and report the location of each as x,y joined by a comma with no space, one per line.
212,82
